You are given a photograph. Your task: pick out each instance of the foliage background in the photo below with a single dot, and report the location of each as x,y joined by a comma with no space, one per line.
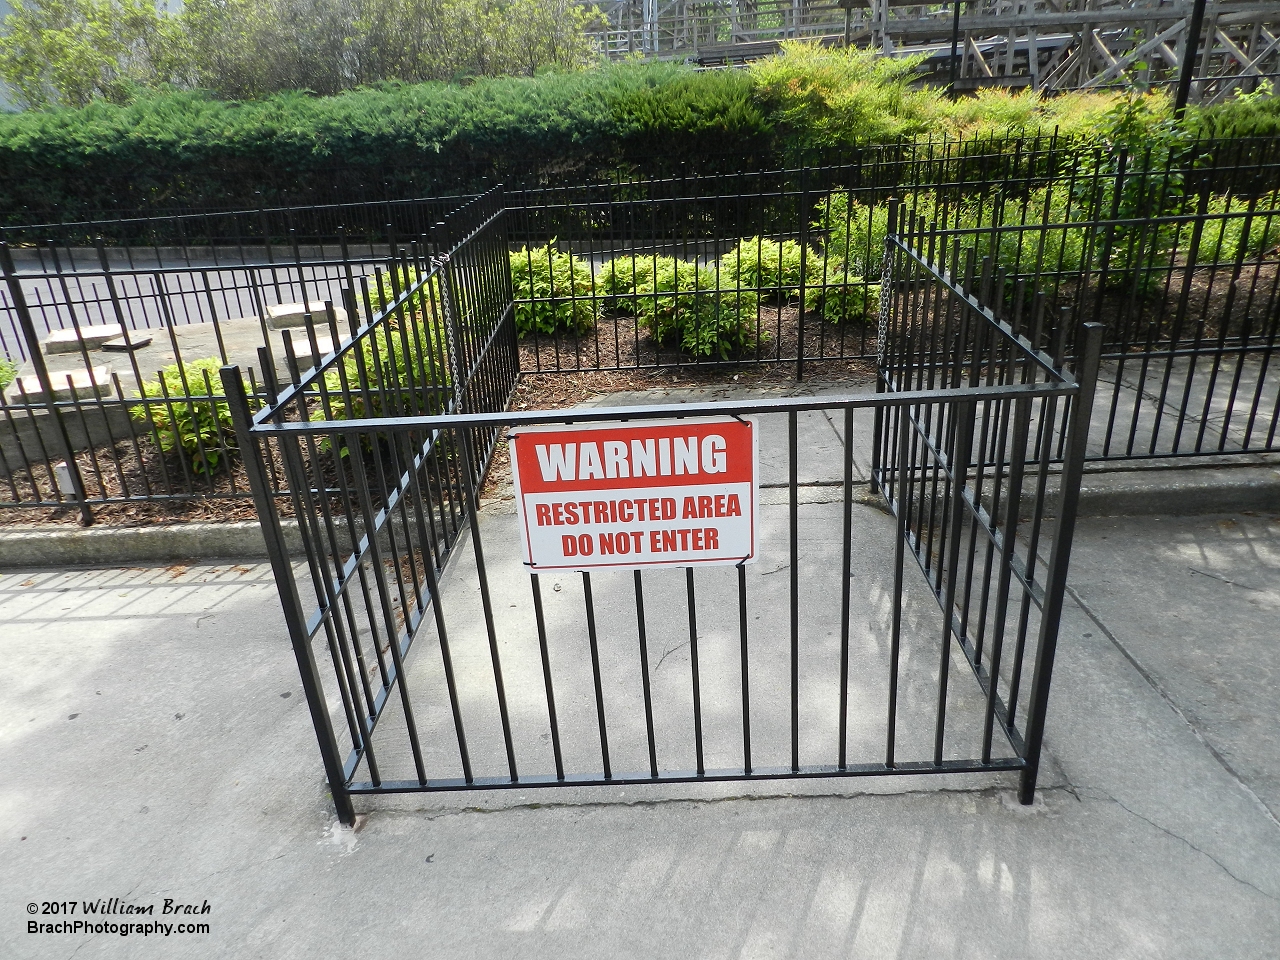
160,149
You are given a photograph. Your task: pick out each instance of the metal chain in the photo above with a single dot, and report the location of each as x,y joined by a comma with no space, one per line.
886,275
441,265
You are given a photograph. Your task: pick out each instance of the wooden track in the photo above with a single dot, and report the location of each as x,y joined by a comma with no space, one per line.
1049,45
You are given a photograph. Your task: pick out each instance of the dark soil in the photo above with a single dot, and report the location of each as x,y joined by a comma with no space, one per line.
621,342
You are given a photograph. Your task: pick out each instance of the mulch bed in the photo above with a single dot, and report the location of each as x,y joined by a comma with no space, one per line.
620,341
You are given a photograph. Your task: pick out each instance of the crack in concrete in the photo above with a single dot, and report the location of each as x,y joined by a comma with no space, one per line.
1103,796
1172,704
670,650
235,868
1234,583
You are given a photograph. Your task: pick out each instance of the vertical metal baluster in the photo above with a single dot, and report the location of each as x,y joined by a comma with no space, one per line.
905,474
233,387
846,550
746,690
693,658
595,674
793,485
546,673
1060,556
36,359
472,495
644,676
965,413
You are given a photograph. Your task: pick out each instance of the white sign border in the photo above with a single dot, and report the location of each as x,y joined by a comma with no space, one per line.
516,432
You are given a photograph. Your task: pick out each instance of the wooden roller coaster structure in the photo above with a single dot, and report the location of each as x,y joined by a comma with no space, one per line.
1048,45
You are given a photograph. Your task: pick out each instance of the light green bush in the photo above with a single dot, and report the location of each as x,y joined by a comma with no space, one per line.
770,266
188,419
622,276
8,372
841,295
682,303
546,283
1225,239
675,287
723,323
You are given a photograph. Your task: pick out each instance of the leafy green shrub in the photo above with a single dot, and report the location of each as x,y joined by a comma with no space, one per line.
681,302
187,418
547,283
674,288
8,372
723,323
401,368
822,98
842,296
668,110
163,149
773,267
620,277
1056,246
384,284
1255,114
854,233
1228,238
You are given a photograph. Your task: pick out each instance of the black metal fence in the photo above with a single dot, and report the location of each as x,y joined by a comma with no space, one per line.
1189,304
562,684
1176,258
1173,251
115,397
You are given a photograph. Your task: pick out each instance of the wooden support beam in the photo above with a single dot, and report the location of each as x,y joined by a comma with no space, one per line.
979,58
1250,69
1127,60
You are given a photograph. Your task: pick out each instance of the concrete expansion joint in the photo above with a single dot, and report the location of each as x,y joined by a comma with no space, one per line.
1167,697
1101,796
998,794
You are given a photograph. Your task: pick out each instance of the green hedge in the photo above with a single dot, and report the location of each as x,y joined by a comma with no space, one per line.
187,148
190,149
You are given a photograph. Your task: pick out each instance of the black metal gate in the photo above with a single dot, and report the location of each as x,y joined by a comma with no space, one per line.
429,667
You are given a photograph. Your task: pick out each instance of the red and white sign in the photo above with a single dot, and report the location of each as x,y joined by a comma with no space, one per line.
636,494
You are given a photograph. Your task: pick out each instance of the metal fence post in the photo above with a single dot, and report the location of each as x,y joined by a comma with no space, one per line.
804,250
1190,47
1060,556
28,328
508,287
277,551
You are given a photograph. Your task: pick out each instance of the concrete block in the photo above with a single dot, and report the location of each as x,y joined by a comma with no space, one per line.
324,346
83,383
294,314
91,336
120,345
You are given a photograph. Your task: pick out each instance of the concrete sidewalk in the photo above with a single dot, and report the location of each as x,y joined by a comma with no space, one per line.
158,747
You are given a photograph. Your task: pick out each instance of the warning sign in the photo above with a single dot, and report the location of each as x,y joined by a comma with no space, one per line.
636,494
